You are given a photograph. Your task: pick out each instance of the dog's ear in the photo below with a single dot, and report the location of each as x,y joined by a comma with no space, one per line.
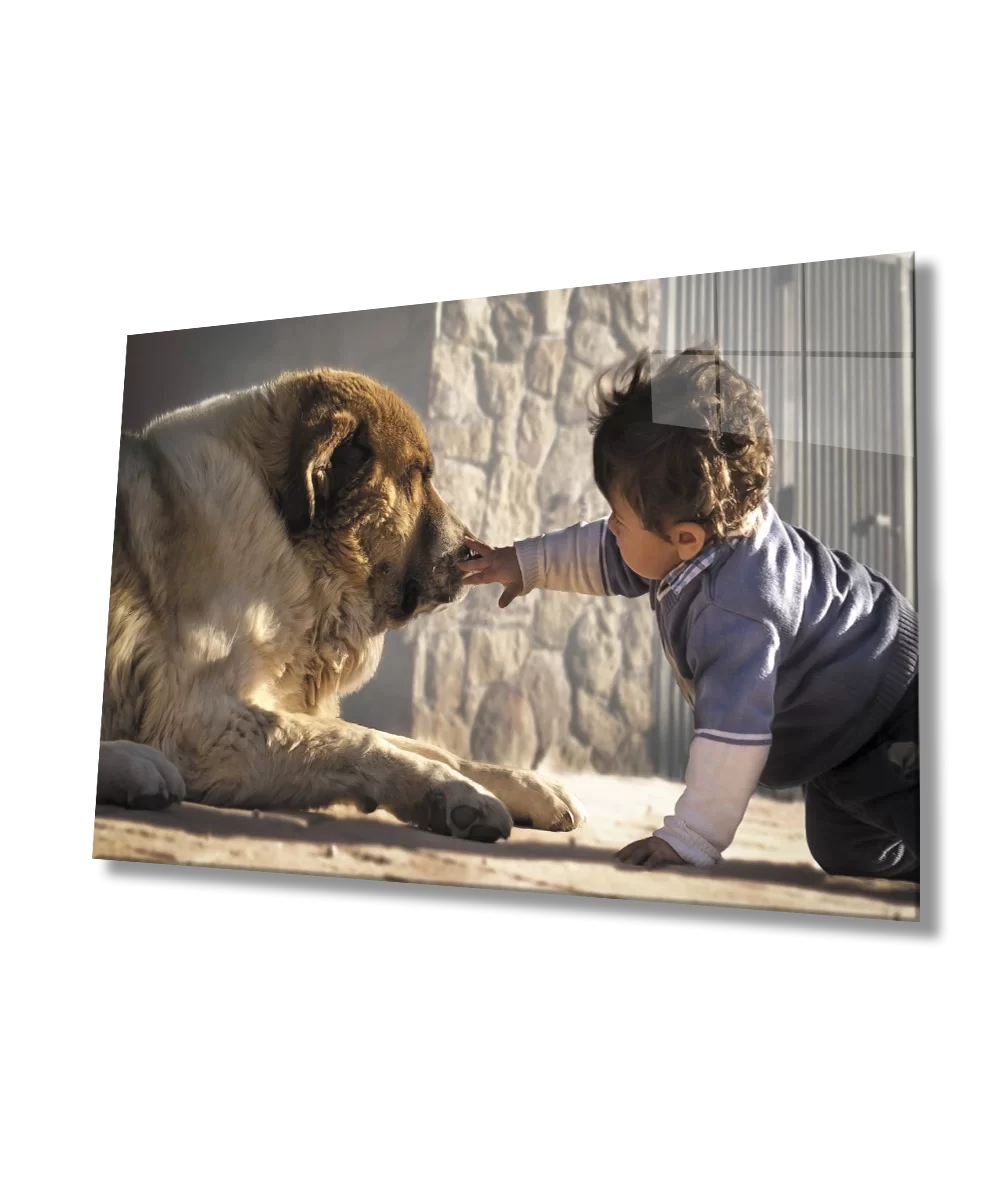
327,452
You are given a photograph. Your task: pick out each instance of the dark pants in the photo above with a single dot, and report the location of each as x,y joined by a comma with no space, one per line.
863,817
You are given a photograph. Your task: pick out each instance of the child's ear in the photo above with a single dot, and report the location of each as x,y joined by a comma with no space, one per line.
689,538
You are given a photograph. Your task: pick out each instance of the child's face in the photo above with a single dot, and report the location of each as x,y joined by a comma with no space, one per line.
647,553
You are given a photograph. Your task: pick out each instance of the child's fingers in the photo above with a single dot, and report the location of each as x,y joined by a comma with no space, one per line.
647,852
660,858
474,566
510,592
660,854
477,564
487,572
476,570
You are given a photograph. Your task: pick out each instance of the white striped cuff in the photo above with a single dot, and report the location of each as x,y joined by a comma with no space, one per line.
734,739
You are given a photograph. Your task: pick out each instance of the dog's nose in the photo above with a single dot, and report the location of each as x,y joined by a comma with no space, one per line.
465,554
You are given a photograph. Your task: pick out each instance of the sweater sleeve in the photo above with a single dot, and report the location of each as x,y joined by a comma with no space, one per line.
582,558
733,660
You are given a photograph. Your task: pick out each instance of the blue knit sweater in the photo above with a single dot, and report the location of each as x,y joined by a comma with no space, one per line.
792,655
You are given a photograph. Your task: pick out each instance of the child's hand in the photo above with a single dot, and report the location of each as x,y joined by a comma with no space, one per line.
494,566
650,852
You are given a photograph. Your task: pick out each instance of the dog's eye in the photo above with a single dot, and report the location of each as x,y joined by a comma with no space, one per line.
358,438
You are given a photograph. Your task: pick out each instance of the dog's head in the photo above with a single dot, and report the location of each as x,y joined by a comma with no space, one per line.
357,496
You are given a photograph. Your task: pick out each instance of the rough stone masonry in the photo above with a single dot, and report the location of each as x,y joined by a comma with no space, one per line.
555,681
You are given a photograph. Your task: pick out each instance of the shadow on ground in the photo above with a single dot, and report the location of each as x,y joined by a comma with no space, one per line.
343,831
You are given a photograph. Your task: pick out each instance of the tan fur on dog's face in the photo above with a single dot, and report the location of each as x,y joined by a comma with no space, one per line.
356,493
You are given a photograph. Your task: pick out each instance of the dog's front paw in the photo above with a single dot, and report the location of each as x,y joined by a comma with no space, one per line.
542,803
135,776
460,809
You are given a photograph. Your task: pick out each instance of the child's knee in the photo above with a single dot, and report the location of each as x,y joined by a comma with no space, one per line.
828,856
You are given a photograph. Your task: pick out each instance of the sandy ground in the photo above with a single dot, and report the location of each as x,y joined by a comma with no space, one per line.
767,866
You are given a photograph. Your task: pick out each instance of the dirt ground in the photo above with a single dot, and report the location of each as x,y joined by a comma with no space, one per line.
768,865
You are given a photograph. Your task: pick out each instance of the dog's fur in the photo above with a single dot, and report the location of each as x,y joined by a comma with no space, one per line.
264,542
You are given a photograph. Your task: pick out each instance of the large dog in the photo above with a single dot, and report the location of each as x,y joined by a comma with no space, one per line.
264,542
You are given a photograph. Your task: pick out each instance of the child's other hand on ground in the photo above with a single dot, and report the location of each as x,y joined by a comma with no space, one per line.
650,852
494,566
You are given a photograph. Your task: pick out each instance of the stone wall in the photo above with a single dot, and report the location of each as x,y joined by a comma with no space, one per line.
557,681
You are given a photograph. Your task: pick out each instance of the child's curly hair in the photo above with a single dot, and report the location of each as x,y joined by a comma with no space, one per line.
684,438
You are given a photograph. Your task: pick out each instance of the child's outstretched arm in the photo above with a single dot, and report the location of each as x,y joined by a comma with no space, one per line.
584,559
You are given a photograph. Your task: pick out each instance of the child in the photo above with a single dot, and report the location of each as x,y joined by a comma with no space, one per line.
800,663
